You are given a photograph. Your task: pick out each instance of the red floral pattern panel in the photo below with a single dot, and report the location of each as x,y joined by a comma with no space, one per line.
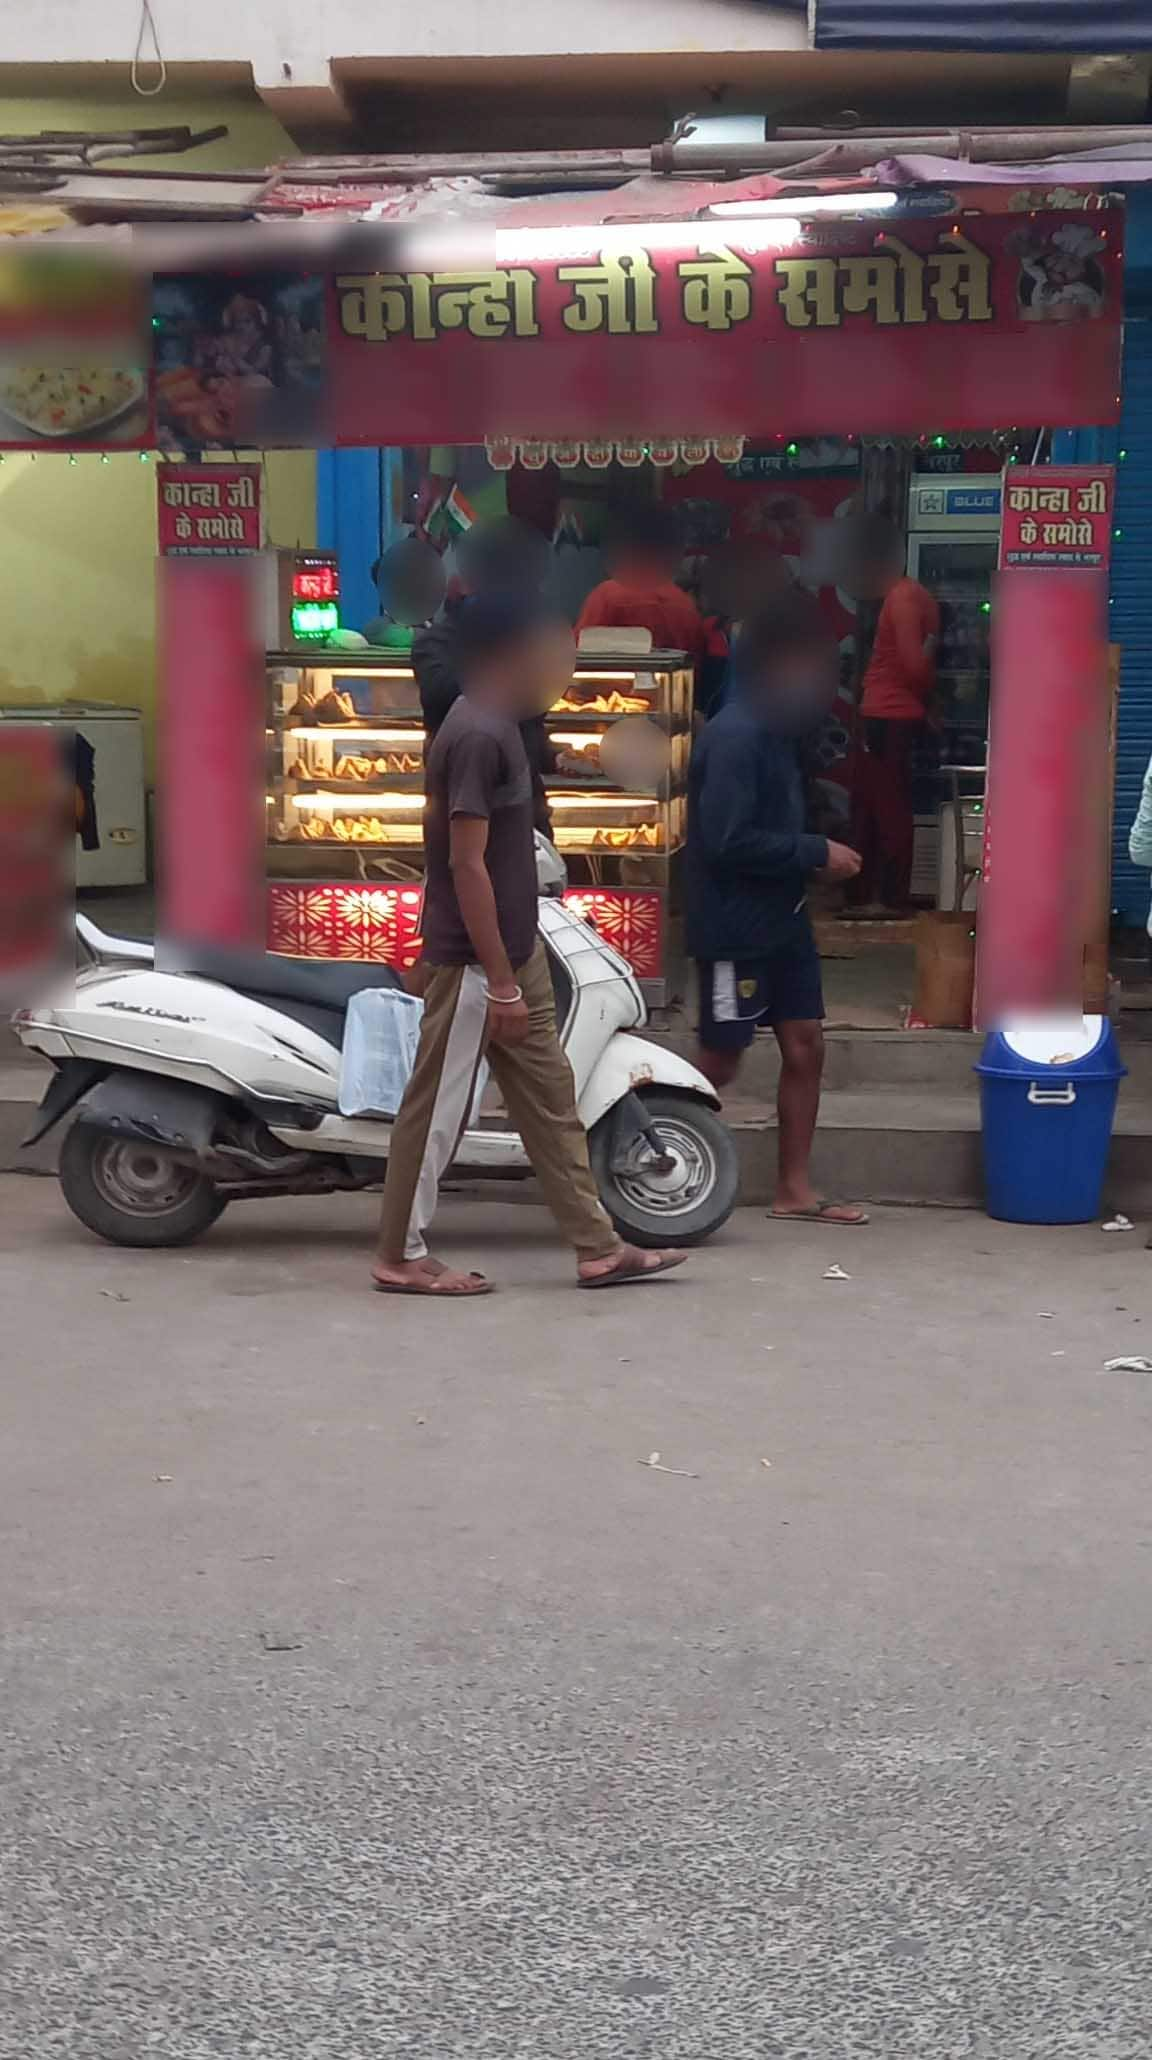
380,925
630,919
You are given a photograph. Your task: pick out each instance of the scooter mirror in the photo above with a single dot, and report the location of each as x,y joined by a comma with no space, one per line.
551,871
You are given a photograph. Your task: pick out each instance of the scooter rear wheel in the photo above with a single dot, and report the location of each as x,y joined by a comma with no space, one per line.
134,1193
688,1201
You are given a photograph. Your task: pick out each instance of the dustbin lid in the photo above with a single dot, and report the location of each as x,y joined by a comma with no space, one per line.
1055,1040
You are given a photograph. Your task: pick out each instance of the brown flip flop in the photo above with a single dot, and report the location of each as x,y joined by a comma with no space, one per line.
431,1289
632,1275
821,1213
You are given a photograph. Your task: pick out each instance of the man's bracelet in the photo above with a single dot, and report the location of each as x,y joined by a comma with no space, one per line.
504,1000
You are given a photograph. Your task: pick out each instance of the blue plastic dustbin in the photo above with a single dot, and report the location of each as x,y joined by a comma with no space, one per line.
1048,1099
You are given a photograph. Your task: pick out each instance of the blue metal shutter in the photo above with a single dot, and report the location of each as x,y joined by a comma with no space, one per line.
1131,613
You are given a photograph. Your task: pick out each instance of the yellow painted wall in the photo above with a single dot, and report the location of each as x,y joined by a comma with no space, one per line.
78,558
255,138
78,541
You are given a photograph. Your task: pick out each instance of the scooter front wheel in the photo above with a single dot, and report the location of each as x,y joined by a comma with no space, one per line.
654,1203
132,1192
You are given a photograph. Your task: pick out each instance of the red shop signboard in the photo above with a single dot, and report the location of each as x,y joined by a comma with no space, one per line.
974,322
74,349
208,511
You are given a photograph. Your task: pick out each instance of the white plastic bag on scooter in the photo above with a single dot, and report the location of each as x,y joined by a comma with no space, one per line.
381,1034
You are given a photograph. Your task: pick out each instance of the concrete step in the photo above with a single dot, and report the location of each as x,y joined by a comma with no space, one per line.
895,1145
875,1145
919,1061
22,1084
12,1052
23,1080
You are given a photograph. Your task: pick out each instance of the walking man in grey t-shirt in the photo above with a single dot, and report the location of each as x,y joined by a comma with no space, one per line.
487,985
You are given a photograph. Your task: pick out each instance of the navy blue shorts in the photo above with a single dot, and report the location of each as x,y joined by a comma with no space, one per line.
739,996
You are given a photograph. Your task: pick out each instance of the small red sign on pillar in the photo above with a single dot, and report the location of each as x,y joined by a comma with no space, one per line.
208,511
1057,517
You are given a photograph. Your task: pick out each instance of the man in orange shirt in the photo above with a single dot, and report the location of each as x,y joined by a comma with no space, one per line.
644,552
893,713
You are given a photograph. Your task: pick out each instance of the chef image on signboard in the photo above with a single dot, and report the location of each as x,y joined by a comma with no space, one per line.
1061,279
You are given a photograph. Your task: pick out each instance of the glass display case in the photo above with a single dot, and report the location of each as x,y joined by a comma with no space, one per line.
345,799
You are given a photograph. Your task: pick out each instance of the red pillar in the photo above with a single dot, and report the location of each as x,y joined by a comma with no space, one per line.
211,806
1047,768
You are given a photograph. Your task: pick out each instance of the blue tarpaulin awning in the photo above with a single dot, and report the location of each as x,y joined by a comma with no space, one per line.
1076,27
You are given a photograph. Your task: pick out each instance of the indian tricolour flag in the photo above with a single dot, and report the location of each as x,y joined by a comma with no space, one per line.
454,516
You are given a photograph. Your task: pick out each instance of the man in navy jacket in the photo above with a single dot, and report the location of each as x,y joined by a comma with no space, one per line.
750,858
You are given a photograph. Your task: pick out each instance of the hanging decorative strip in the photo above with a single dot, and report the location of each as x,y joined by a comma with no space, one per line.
536,452
955,439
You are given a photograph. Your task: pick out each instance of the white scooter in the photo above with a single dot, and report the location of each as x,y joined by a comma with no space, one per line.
220,1083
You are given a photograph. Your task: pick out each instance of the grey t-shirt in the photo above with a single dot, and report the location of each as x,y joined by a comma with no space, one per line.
476,765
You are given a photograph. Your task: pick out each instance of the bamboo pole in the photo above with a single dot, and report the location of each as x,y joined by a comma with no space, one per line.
851,151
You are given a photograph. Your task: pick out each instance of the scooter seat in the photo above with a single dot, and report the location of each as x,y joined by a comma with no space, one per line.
321,983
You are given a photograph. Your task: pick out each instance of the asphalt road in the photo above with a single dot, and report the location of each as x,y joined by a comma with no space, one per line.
364,1694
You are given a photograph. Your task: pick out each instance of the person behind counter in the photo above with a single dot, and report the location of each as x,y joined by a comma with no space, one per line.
501,557
645,549
750,856
742,580
488,985
410,586
894,712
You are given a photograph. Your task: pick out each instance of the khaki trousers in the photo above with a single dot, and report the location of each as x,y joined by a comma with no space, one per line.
536,1082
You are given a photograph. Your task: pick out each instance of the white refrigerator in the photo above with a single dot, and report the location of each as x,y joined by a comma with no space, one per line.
953,545
113,851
